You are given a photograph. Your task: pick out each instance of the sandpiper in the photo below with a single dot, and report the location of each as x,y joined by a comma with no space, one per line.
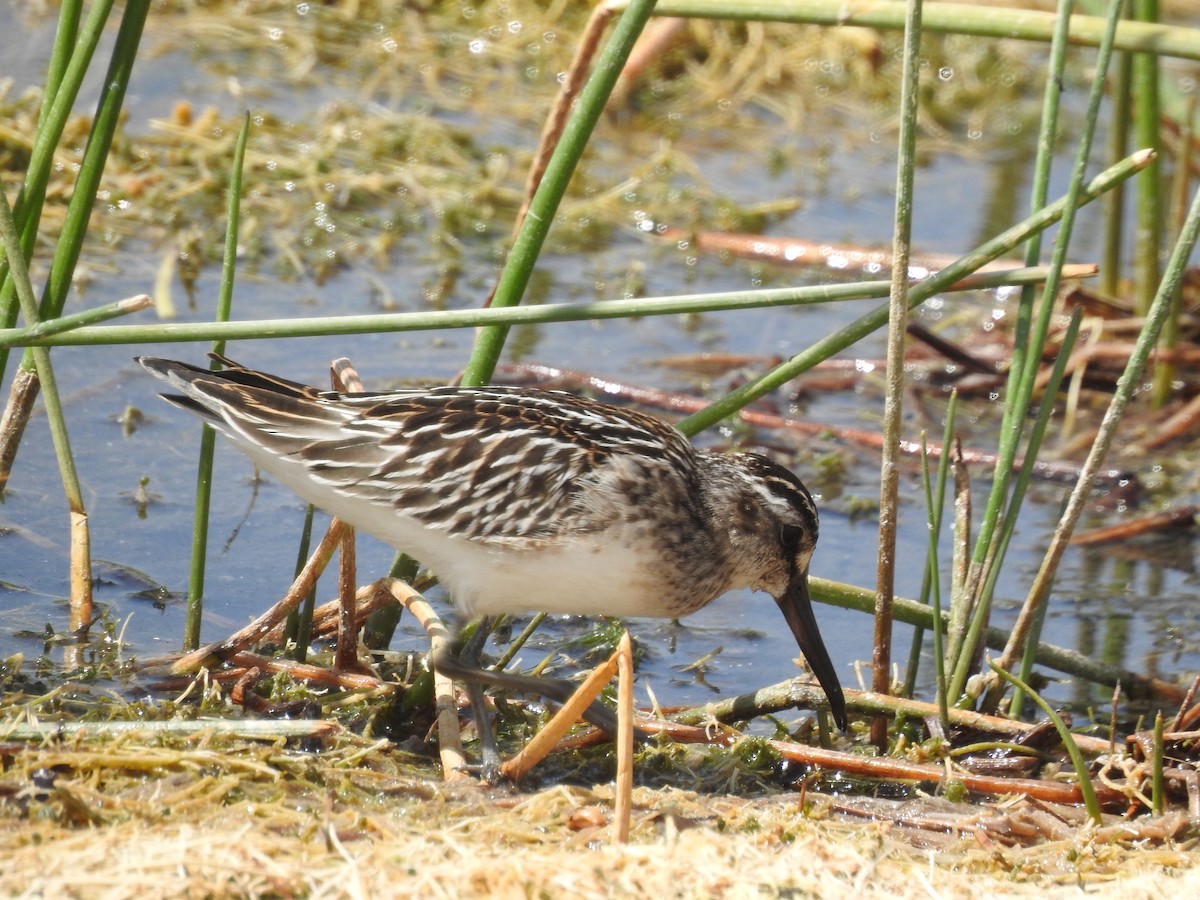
528,500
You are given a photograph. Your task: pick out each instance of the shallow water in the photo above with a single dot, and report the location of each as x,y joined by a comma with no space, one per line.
1142,610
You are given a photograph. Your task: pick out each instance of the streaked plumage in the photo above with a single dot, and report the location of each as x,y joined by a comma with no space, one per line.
526,500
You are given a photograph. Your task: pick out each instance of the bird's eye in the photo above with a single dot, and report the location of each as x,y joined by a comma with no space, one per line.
790,534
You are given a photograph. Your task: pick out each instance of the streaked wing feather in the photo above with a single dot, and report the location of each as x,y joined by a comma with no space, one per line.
483,463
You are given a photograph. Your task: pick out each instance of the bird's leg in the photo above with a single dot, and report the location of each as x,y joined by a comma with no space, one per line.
465,668
470,659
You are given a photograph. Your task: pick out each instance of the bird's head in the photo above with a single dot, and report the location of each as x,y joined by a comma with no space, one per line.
774,534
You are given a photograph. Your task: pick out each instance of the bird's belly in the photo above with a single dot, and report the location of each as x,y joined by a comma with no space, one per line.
587,578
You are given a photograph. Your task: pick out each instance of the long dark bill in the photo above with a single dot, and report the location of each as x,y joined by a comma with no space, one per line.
797,610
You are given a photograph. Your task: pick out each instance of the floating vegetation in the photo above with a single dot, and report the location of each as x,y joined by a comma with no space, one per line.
450,100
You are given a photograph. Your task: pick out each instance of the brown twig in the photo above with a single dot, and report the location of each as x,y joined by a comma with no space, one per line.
795,693
572,84
258,629
239,663
568,714
623,788
568,379
345,654
344,377
326,617
799,252
950,350
352,681
449,736
1170,520
891,769
656,38
1181,423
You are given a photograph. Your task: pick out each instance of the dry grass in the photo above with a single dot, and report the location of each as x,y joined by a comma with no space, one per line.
215,816
468,846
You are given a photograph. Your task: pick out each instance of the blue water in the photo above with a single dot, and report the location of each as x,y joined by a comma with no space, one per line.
1143,609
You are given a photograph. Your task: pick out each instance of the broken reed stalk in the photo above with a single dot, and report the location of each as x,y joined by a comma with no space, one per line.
572,83
217,652
560,723
623,788
345,654
454,763
80,555
344,377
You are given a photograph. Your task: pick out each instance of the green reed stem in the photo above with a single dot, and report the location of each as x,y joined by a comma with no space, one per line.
1165,371
81,597
381,624
104,126
955,18
963,596
208,437
69,61
966,601
1114,201
1126,385
1021,487
857,330
934,506
263,329
74,230
1018,403
1061,659
518,642
1047,139
88,317
1068,741
544,204
1148,233
893,399
294,628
